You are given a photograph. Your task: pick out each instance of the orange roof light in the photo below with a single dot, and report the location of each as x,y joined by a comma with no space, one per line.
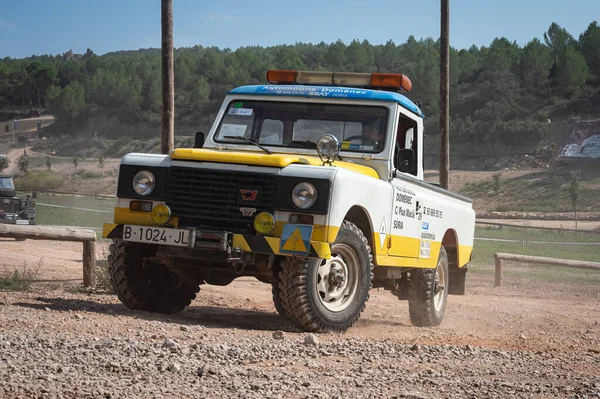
391,80
275,76
395,81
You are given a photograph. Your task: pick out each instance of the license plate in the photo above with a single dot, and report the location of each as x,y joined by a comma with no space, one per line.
156,235
19,221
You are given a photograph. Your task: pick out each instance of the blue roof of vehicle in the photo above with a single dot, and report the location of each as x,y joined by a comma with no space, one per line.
329,92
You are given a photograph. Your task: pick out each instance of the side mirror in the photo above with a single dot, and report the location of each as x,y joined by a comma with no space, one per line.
199,140
406,161
34,194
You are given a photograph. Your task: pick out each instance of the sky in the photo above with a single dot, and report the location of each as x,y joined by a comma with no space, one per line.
36,27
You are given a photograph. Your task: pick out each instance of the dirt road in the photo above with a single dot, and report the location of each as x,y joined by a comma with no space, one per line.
531,338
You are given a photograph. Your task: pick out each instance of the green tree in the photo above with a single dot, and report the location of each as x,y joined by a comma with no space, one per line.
589,45
48,163
287,58
357,57
572,69
4,162
72,100
101,166
335,56
574,191
557,40
534,65
68,102
502,55
24,165
497,178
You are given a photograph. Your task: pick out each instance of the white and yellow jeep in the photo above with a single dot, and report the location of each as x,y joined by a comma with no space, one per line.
312,184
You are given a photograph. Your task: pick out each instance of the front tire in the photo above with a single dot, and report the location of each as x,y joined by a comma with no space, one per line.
329,295
276,292
429,293
144,283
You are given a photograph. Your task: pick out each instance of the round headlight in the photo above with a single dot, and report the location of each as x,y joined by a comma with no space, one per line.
143,182
304,195
328,146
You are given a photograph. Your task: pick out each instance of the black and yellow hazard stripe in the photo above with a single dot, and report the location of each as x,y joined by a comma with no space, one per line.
246,243
112,230
272,245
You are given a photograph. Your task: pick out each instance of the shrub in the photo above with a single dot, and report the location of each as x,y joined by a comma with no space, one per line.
39,180
20,279
497,181
88,174
102,274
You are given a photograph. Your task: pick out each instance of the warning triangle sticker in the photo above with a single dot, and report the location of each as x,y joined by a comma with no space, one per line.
382,233
295,243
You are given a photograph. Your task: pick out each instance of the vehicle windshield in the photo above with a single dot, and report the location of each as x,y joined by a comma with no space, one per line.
359,128
7,183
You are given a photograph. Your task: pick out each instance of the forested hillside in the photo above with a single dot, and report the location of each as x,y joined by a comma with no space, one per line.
504,97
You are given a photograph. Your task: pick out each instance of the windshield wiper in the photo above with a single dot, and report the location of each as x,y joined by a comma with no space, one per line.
305,142
249,141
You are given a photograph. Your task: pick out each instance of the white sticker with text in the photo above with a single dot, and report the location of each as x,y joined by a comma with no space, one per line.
233,130
240,111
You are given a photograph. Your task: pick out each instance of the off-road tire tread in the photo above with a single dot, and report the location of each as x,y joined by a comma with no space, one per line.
277,300
294,293
420,299
120,262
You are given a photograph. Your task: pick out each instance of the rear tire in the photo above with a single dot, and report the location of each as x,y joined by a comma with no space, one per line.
144,284
329,295
429,293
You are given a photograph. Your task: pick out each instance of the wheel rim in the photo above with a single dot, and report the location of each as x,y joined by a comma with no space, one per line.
337,278
439,288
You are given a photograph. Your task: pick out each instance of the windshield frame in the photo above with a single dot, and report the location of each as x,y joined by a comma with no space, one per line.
327,111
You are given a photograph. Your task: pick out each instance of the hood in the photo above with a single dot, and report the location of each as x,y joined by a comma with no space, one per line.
263,159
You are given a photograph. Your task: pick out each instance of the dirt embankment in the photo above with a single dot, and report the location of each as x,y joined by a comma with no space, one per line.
531,338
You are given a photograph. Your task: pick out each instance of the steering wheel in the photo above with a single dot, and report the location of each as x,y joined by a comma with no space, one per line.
365,140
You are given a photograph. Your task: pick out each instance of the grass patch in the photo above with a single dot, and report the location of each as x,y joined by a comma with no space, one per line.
38,161
540,273
483,252
39,180
20,279
545,191
70,216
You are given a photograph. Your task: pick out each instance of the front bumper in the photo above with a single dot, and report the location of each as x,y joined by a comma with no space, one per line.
17,220
232,242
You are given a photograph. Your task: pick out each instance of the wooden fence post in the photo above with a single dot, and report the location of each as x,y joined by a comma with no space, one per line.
89,263
499,271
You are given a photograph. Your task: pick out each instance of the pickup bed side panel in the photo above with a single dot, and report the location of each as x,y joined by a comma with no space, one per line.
438,214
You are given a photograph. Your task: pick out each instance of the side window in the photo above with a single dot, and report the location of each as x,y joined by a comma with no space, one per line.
406,137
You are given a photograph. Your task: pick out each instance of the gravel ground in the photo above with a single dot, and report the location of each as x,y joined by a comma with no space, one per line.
529,339
296,366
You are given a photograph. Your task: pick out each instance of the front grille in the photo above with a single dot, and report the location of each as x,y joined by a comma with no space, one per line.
211,199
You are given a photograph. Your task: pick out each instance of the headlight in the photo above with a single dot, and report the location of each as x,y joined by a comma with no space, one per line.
143,182
304,195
